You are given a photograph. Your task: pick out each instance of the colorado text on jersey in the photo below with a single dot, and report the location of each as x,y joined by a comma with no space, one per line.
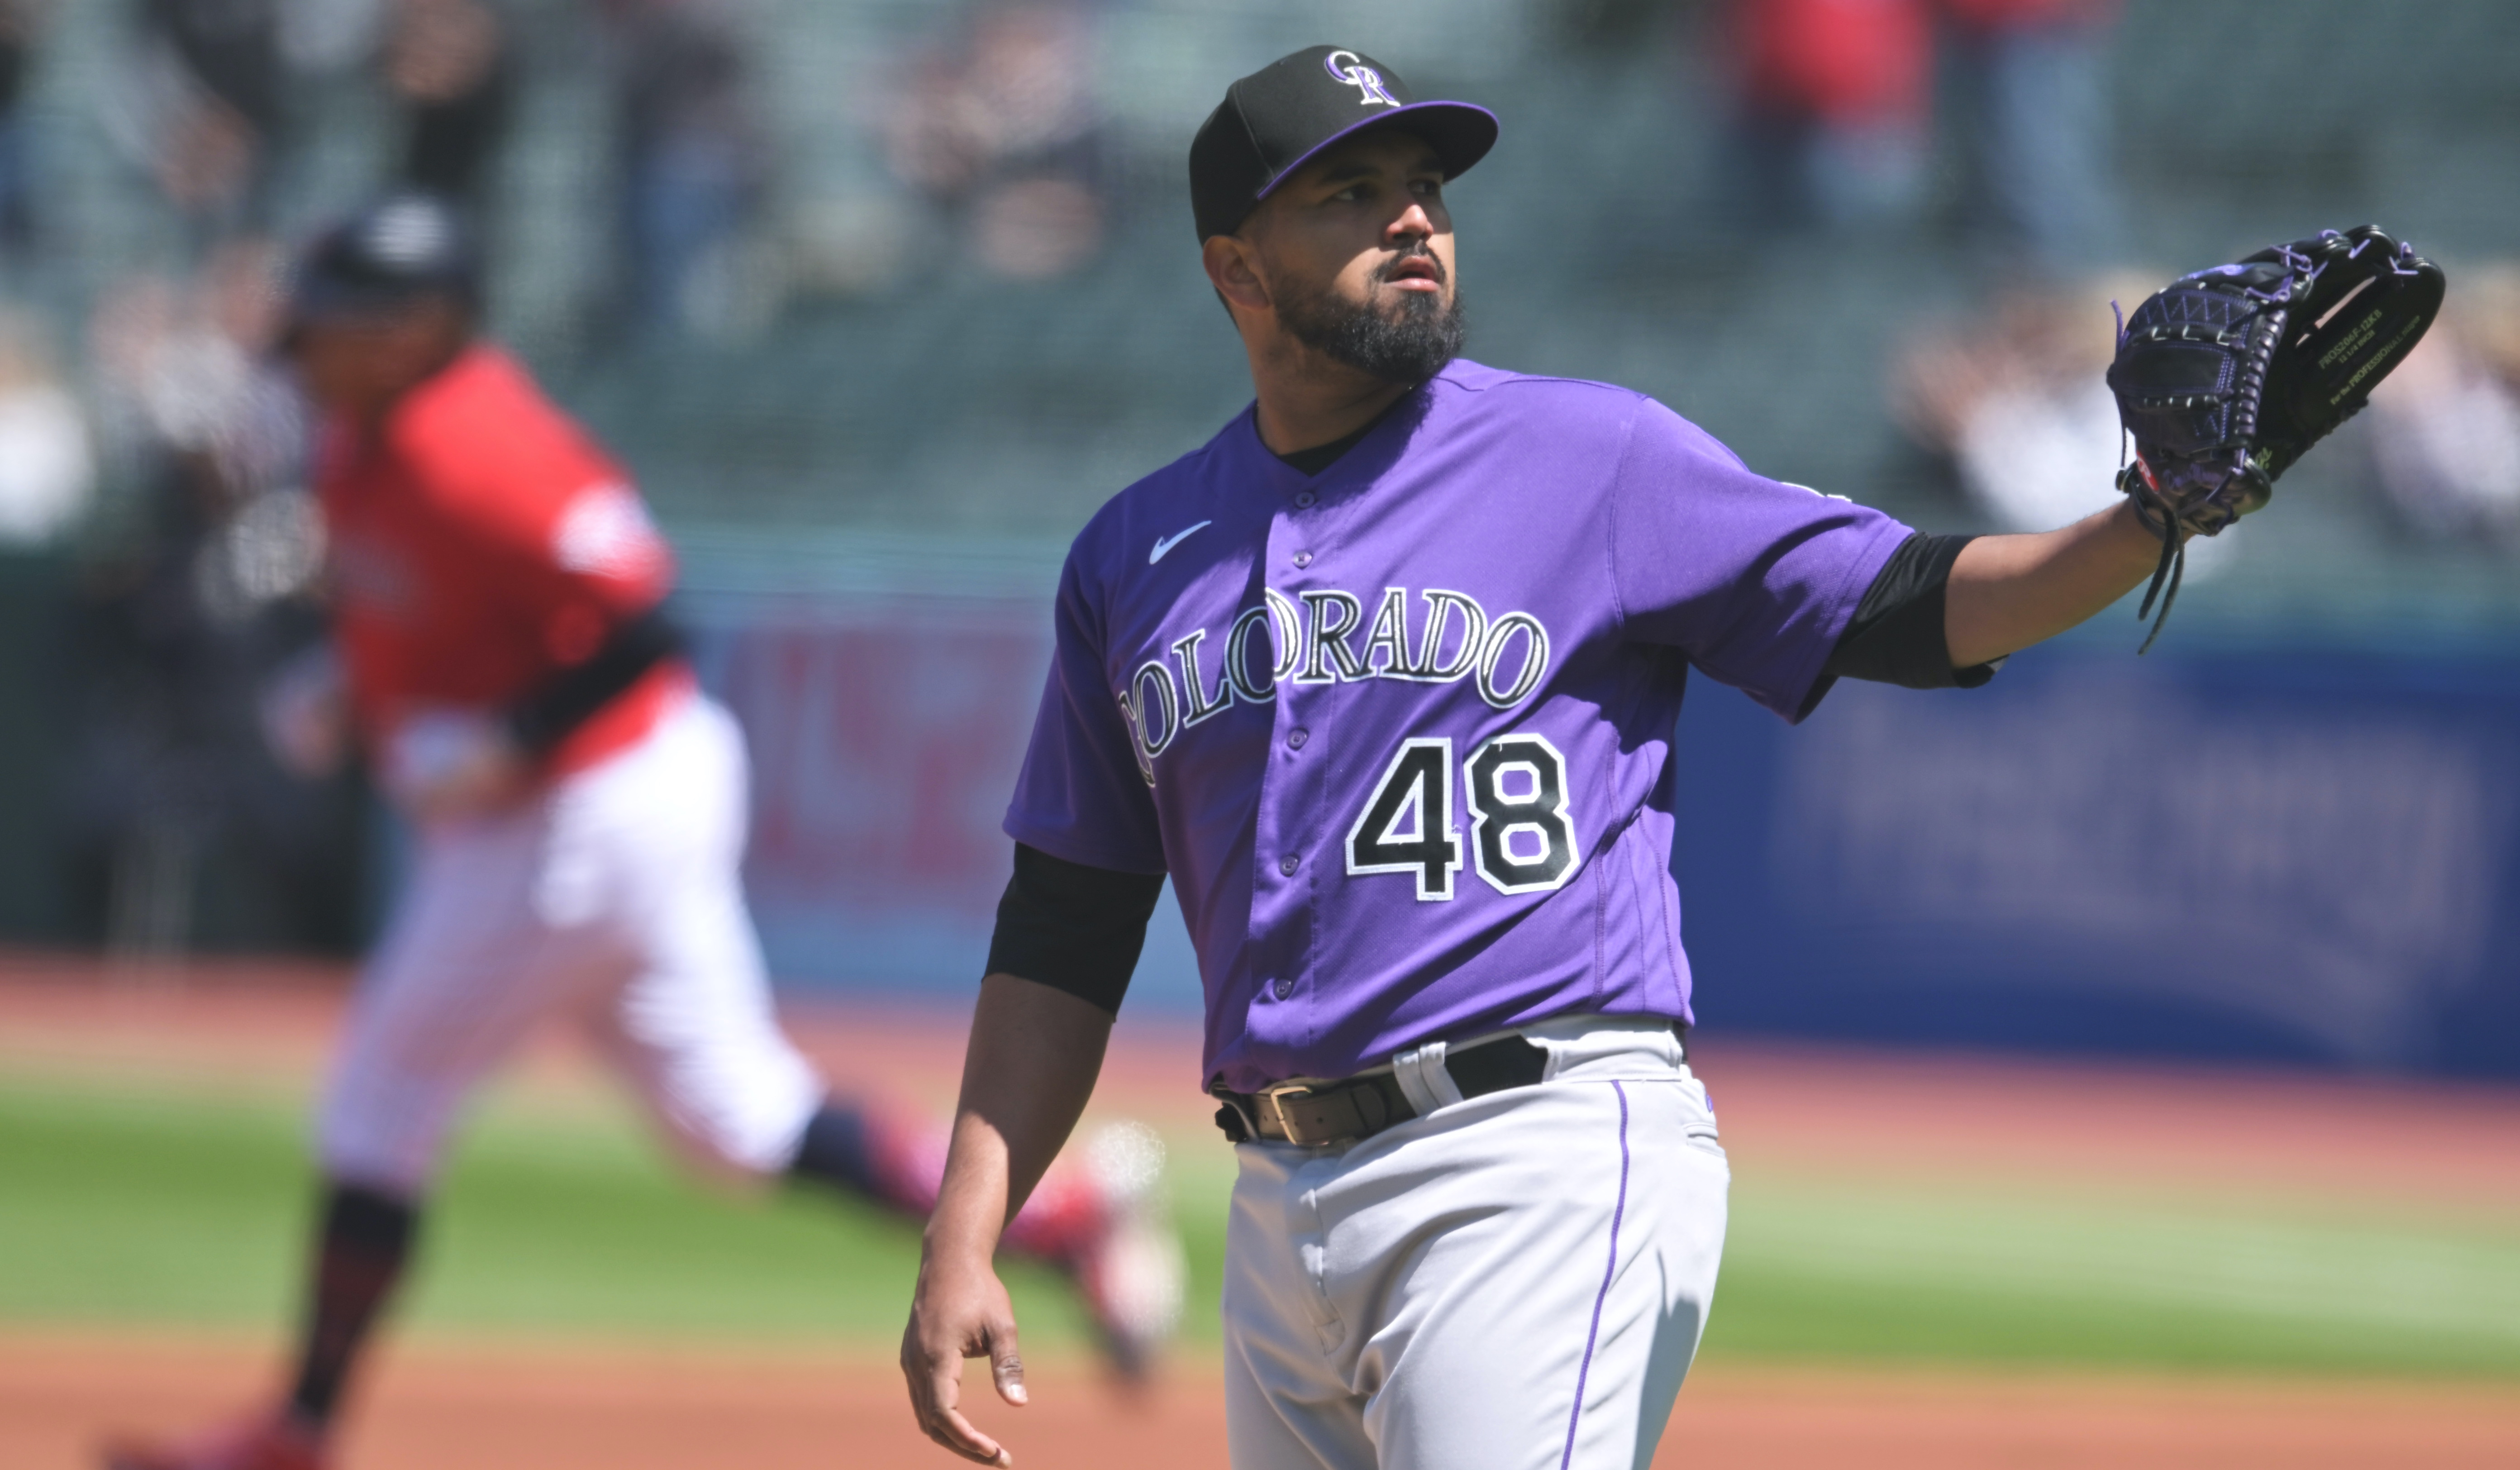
1305,639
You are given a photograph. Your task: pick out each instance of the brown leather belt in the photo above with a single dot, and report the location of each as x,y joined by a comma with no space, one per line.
1358,1108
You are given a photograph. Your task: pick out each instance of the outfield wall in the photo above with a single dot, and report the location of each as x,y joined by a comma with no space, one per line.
2277,853
885,739
2287,854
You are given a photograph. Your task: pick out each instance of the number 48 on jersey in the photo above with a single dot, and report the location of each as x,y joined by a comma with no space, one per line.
1520,839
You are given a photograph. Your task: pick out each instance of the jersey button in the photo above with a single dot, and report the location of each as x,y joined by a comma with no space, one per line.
1296,739
1287,865
1283,989
1303,558
1305,498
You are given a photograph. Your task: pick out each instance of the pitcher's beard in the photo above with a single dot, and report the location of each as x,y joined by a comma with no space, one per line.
1409,345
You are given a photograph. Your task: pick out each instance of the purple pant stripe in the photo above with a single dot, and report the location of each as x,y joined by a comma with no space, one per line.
1619,1212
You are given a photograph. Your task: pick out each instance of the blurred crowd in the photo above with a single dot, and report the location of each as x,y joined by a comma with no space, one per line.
1992,119
201,573
147,435
218,100
1839,102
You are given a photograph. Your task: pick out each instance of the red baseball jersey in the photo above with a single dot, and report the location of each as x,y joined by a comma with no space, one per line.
481,542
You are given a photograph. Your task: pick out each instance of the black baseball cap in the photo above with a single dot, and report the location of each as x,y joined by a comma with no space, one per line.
397,250
1273,123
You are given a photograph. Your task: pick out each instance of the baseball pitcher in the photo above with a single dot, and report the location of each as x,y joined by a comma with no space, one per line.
1385,678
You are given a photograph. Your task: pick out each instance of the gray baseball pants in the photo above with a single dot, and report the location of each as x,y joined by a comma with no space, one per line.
1512,1282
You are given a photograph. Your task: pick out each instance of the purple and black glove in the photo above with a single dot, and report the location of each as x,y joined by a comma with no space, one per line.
2225,378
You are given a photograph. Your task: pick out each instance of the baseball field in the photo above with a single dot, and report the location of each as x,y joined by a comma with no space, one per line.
1934,1261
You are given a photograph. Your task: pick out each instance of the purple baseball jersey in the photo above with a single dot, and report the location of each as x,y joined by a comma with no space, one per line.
1401,732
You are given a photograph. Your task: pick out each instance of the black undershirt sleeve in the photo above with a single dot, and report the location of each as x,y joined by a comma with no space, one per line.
1897,636
1073,928
544,716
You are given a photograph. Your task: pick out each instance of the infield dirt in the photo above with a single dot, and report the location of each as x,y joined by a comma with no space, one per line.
550,1409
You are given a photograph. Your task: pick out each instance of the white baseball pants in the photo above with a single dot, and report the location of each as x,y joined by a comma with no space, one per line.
611,900
1513,1282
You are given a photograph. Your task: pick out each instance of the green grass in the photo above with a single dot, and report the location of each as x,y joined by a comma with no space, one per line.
187,1207
133,1208
1958,1269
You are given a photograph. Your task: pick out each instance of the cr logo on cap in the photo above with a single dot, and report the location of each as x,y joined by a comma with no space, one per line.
1344,68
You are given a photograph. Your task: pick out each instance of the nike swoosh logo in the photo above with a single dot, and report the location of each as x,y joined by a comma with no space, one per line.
1167,543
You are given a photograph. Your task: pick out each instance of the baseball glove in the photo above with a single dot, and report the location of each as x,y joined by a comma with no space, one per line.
2225,378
